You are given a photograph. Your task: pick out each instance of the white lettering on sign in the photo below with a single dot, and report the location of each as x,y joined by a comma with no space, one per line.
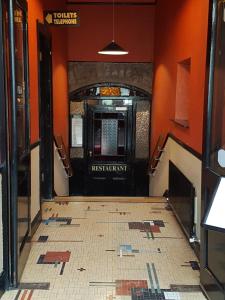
109,168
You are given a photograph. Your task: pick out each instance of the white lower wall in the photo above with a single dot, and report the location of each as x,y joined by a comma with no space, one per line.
61,180
35,182
188,164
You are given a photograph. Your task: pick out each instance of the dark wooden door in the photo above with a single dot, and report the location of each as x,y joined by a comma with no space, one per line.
109,151
46,112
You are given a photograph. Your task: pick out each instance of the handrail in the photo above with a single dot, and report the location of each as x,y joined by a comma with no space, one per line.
60,146
159,148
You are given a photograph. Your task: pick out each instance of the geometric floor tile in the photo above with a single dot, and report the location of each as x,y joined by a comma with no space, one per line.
109,251
123,287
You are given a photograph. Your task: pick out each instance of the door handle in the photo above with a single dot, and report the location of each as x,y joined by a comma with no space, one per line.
90,153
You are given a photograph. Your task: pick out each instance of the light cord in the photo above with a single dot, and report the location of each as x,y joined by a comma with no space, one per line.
113,20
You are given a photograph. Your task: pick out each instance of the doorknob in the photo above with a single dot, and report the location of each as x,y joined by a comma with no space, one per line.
90,153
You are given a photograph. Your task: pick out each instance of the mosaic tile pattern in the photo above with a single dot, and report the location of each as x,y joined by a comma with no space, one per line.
109,251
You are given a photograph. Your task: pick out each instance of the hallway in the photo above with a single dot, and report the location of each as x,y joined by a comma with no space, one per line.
109,250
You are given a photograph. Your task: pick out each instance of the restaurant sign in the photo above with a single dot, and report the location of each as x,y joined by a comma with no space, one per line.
62,18
113,168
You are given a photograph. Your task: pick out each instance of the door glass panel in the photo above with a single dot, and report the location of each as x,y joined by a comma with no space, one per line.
20,80
109,137
22,125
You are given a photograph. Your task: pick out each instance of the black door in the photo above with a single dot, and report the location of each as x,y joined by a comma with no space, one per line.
109,150
213,227
18,135
46,114
4,168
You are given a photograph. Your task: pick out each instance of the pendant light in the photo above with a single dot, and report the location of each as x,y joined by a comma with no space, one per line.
113,48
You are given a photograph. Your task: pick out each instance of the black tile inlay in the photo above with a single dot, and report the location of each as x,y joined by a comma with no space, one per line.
58,220
43,238
41,261
192,264
62,269
140,226
135,251
34,286
185,288
17,295
159,223
81,269
146,294
195,265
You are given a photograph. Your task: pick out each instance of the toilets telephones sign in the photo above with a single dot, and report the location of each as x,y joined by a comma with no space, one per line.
62,18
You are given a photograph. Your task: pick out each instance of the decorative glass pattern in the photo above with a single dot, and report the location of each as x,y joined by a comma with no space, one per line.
76,152
109,137
142,130
77,108
110,91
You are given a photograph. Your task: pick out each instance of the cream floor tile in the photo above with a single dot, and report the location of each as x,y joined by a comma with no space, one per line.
99,251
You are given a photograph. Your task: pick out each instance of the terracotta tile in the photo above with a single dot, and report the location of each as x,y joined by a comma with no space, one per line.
123,287
155,229
56,257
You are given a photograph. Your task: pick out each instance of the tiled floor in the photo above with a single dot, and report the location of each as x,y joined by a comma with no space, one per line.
109,251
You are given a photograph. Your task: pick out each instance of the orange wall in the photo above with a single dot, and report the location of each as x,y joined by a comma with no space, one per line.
134,31
59,59
34,13
181,33
60,83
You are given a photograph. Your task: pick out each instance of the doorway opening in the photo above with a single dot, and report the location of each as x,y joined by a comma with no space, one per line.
109,140
45,113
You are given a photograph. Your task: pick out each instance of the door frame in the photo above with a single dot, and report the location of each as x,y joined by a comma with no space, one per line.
90,92
46,180
4,166
209,282
88,129
16,258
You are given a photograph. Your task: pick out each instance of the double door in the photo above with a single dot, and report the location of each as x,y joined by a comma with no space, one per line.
109,150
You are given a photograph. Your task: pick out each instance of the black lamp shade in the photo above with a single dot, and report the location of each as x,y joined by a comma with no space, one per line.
113,49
